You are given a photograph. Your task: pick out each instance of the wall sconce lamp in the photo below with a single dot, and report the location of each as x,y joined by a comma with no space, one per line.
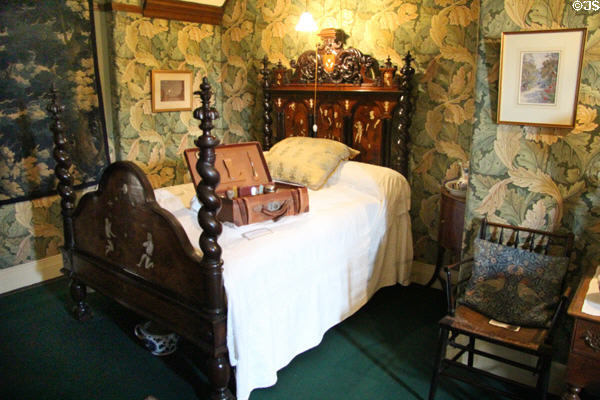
307,22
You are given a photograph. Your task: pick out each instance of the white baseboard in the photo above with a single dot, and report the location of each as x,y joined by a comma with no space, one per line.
30,273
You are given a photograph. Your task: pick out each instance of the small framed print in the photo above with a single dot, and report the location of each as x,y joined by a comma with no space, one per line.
171,90
539,77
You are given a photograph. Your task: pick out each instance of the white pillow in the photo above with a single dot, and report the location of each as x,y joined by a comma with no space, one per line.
376,181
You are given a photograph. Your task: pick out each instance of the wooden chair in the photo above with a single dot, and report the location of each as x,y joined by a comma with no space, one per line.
462,321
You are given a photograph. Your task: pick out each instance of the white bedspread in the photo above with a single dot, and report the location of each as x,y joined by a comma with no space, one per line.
287,288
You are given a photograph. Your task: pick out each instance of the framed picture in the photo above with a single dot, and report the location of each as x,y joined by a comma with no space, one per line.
171,90
539,77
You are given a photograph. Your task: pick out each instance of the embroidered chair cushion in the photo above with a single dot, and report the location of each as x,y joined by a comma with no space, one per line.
513,285
306,161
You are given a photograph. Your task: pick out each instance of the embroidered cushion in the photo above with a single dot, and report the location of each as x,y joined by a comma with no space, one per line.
515,286
306,161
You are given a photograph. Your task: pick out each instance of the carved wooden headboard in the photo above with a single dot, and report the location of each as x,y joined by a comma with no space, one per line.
353,101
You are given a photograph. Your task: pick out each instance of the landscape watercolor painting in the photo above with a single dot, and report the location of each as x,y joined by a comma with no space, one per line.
538,77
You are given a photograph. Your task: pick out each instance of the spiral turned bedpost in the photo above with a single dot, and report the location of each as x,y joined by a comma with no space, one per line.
81,310
404,114
62,169
267,106
207,216
219,370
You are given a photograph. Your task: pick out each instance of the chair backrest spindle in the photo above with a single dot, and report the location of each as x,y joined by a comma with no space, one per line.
538,241
483,229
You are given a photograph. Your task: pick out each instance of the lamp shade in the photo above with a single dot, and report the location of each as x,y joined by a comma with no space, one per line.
306,23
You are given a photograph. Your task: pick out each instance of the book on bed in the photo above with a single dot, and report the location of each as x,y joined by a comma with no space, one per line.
248,194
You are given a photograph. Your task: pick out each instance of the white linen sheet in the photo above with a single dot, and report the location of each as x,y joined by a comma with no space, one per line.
287,288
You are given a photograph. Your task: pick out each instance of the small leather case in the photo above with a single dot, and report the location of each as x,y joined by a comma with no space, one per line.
244,171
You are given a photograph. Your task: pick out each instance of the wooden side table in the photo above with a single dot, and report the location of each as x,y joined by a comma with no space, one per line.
583,367
452,218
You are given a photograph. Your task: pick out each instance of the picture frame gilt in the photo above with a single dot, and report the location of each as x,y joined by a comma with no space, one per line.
539,77
171,90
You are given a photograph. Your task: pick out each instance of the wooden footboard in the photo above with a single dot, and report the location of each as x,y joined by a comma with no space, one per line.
119,241
124,241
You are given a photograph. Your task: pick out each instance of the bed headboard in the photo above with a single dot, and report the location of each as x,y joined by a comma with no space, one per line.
354,101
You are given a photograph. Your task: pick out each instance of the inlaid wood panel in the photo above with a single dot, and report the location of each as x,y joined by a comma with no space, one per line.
330,121
367,133
146,250
296,119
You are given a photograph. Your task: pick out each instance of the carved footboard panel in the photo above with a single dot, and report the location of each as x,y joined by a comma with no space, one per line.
124,242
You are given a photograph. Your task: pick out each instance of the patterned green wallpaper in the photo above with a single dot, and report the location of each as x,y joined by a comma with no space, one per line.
30,230
137,45
542,178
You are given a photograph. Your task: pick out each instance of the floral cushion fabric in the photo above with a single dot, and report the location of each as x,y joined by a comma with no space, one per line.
306,161
514,286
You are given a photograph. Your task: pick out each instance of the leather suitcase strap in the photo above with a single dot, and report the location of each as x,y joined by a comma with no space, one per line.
243,207
246,206
302,200
296,200
305,205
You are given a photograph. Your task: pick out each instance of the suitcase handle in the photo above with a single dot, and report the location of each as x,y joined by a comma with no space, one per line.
276,214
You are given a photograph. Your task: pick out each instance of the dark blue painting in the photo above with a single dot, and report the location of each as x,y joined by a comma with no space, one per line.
44,43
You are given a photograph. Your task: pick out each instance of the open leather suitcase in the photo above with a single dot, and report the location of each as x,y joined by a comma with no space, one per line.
244,176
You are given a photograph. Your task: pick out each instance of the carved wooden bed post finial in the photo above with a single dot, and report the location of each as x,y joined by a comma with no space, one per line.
403,114
218,363
65,190
267,105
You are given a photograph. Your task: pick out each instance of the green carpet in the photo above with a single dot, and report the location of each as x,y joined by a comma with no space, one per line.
385,351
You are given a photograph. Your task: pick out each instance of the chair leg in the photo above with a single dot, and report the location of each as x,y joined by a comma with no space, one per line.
438,268
544,377
439,361
471,348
